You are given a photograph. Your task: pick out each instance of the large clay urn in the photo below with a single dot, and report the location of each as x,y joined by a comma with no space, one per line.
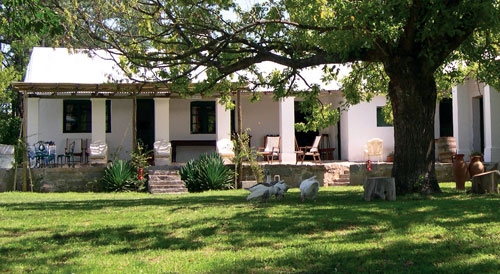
476,165
459,171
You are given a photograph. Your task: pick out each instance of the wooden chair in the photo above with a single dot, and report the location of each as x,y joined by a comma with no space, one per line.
300,154
313,151
271,148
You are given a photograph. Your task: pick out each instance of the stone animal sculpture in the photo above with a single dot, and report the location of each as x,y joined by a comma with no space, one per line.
309,189
265,190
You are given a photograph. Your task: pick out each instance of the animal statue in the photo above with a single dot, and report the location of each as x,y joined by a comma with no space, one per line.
266,190
309,189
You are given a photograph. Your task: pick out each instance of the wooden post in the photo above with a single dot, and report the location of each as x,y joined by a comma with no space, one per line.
239,111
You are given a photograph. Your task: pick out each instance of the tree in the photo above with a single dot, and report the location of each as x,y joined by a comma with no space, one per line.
404,48
24,24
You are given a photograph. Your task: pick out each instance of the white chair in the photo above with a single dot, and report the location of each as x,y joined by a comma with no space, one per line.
225,148
374,148
98,154
162,153
271,148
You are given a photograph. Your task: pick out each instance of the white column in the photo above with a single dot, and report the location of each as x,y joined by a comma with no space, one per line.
223,122
491,104
98,119
287,130
162,119
32,120
462,119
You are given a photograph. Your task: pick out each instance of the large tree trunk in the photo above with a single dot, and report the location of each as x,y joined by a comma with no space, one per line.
412,91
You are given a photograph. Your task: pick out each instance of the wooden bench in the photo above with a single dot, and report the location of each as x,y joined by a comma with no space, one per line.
190,143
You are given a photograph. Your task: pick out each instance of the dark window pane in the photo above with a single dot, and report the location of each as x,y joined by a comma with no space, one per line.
77,116
380,118
203,117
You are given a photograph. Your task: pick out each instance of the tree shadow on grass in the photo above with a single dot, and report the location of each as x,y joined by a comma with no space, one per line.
324,227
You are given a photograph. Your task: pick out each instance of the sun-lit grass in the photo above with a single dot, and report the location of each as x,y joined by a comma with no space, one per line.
220,232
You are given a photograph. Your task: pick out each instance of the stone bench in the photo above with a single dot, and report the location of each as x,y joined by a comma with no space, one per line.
379,187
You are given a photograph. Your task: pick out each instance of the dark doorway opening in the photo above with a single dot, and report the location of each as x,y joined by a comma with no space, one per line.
146,122
445,117
303,138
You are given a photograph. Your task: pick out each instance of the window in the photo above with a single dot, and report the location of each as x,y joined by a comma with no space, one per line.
77,116
203,117
380,118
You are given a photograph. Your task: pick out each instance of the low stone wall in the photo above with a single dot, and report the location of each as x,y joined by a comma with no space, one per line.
79,179
328,172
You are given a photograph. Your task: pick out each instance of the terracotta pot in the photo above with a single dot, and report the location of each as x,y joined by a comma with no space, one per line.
476,165
459,171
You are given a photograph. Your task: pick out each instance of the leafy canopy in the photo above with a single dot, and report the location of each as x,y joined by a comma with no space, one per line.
218,44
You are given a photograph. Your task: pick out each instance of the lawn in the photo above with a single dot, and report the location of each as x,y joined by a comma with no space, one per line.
220,232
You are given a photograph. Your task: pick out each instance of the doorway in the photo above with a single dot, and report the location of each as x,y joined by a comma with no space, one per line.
445,118
303,138
145,110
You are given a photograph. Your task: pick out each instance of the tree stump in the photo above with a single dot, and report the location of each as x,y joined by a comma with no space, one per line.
379,187
486,182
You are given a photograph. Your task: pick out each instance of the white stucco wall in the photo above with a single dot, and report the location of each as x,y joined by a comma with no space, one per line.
119,140
359,125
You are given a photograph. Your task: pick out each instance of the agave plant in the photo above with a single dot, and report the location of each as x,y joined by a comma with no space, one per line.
207,173
118,176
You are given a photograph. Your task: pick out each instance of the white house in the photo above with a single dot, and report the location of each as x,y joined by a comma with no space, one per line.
476,120
69,95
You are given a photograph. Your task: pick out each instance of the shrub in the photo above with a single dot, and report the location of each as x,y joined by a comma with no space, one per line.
118,176
140,160
207,173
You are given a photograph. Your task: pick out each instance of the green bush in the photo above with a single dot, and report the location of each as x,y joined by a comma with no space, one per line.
207,173
118,176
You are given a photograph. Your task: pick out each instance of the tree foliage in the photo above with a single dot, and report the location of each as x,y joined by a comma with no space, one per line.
23,25
408,50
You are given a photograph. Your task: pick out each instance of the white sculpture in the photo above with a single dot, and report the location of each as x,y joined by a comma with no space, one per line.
98,153
309,189
264,191
162,153
225,148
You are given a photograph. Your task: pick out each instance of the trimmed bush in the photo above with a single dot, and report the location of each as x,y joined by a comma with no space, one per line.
207,173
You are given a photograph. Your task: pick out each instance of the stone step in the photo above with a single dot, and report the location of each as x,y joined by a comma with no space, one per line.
165,182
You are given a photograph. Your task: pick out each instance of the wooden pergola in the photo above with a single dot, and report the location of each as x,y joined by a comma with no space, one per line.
119,90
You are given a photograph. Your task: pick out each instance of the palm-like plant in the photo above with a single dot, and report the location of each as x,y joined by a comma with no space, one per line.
207,173
118,176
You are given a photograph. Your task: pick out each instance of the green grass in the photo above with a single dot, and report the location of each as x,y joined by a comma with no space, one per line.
220,232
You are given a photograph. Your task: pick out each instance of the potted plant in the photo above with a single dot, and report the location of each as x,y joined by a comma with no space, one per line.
390,157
